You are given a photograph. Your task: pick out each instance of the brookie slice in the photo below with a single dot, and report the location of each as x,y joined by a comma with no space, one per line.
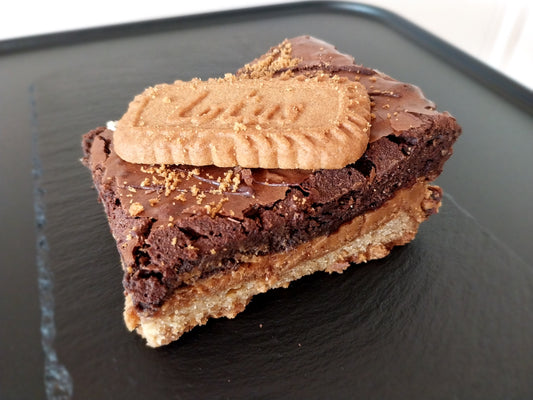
197,242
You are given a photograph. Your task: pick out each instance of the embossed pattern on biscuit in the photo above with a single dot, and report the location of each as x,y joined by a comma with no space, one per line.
305,123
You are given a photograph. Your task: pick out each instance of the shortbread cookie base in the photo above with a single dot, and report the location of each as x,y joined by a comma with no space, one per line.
367,237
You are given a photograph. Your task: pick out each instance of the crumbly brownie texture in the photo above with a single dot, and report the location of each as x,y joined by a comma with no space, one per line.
197,242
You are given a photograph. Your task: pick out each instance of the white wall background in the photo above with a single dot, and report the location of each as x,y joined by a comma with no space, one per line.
498,32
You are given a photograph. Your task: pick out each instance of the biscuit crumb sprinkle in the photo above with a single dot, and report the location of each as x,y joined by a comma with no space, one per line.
279,58
213,209
135,209
162,176
145,182
239,127
180,197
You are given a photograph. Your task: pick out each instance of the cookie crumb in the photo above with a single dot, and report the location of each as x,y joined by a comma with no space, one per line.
200,198
195,190
145,182
180,197
135,209
213,209
279,58
239,127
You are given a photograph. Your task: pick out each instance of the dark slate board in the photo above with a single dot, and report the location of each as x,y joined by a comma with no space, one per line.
448,316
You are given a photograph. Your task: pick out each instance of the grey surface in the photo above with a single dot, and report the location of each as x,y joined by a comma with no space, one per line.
448,316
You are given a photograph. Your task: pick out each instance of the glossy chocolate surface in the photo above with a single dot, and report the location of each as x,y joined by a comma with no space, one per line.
397,106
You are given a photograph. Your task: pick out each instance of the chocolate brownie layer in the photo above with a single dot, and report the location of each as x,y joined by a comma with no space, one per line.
175,225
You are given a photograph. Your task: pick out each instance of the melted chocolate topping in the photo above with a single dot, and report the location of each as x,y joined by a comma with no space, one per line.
192,190
395,105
